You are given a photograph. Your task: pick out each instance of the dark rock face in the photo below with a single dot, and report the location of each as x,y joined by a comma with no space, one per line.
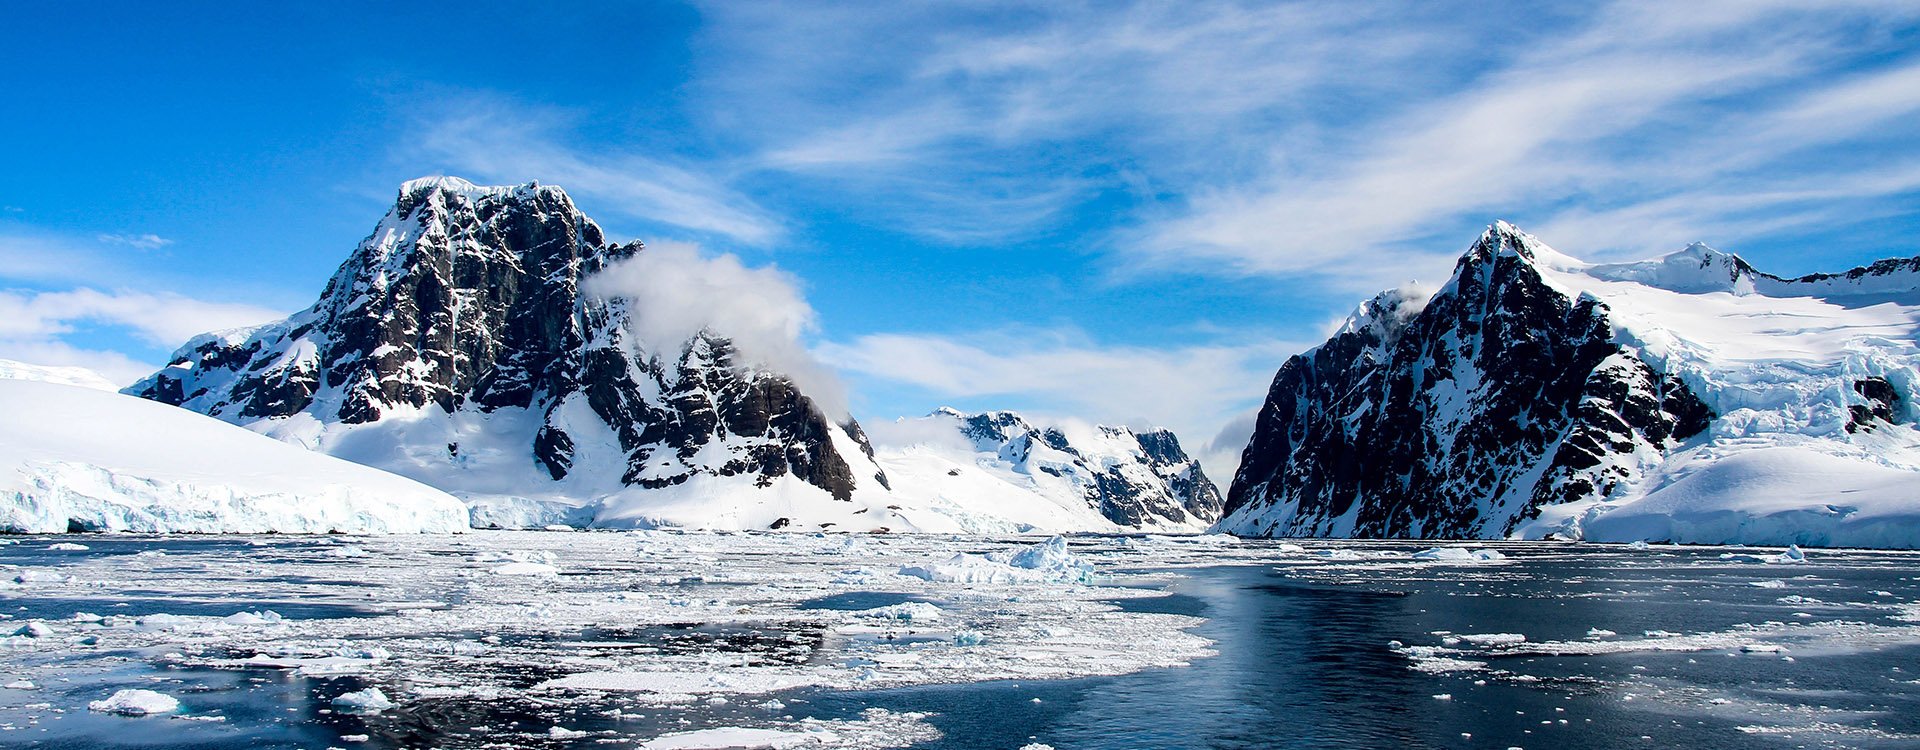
1132,478
1882,404
468,300
1459,418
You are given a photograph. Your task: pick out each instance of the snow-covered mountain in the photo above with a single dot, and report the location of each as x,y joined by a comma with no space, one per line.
76,376
997,471
75,458
1689,398
456,346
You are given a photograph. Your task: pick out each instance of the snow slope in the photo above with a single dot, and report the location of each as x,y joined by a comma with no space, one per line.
1795,454
997,472
79,458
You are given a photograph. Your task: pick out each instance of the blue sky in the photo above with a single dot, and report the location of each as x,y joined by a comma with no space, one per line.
1120,211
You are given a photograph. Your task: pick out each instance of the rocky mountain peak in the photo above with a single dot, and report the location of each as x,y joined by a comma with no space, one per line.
464,310
1498,395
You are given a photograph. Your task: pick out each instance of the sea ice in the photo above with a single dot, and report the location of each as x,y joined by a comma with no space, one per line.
906,611
725,738
136,703
1047,562
1459,555
368,701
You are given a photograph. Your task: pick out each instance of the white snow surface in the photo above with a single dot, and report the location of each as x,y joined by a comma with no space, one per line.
77,376
941,484
75,455
946,481
1776,360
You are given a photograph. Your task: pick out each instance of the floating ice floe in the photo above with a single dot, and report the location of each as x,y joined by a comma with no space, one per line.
1046,562
40,576
263,617
526,569
734,682
136,703
368,701
68,547
906,611
726,738
1459,555
33,630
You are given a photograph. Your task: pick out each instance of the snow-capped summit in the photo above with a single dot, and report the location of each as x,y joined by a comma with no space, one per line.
1536,394
1053,477
1695,269
456,346
63,375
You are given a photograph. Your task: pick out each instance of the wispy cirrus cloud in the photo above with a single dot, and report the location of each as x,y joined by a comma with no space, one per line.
35,325
165,319
1651,125
1350,143
135,241
494,140
987,122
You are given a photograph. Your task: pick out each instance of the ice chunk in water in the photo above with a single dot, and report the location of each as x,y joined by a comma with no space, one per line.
136,703
368,701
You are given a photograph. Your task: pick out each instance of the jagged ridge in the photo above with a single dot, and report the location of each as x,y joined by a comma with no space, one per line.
464,311
1535,394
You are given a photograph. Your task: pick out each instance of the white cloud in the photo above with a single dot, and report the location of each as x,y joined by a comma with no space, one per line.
135,241
35,326
976,123
1191,389
1221,455
1342,142
502,142
672,292
1630,113
164,319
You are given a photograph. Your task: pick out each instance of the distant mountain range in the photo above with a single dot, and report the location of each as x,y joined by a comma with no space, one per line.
464,345
456,346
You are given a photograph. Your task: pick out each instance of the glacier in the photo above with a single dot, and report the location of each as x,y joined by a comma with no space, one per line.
80,458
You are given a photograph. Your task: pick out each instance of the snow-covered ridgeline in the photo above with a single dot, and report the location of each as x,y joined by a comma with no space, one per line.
1535,394
1001,472
458,346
